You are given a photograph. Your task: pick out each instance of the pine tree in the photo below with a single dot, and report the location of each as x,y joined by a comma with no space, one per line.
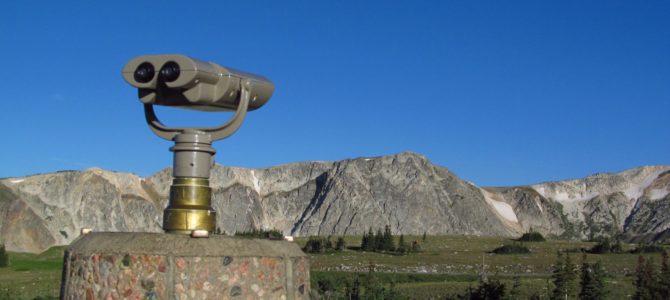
664,277
591,281
599,281
387,244
379,240
4,257
340,245
353,292
644,279
392,292
515,292
368,243
373,289
570,275
402,245
558,278
365,241
563,277
372,240
489,290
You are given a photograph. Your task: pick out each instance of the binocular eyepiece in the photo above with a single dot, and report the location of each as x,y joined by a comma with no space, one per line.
144,73
169,72
190,83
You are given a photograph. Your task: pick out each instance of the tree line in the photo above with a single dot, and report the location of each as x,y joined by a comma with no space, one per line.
385,242
382,241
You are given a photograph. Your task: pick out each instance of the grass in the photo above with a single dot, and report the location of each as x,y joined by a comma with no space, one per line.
465,254
447,265
30,276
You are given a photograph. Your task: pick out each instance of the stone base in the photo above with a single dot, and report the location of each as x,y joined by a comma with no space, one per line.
110,265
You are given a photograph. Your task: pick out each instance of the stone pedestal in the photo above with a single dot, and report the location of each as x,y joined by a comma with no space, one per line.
110,265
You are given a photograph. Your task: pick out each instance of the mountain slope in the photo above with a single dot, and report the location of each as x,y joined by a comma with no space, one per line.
404,191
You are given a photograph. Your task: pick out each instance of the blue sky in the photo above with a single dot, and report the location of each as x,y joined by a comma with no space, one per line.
500,92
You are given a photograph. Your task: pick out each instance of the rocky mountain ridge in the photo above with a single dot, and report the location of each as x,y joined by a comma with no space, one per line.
405,191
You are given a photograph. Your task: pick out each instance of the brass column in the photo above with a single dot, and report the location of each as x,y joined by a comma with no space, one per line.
190,206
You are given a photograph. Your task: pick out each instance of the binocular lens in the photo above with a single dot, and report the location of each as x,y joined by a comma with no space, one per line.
170,71
144,72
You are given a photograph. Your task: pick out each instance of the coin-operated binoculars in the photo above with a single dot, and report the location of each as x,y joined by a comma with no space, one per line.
180,81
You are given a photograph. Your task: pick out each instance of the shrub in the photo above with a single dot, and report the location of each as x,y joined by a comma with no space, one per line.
340,245
416,246
271,234
605,246
317,244
511,249
532,237
492,289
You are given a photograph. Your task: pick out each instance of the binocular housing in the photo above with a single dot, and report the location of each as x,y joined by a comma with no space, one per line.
181,81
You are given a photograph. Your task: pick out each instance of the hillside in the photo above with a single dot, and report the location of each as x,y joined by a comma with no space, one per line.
405,191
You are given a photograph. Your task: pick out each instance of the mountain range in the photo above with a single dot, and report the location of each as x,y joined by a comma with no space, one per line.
405,191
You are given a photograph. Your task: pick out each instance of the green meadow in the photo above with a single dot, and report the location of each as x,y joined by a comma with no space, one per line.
445,266
32,276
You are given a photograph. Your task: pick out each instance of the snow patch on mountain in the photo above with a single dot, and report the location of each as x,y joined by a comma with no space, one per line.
256,182
657,194
632,183
502,208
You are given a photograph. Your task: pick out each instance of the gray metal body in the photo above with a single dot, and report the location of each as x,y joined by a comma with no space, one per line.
194,84
200,85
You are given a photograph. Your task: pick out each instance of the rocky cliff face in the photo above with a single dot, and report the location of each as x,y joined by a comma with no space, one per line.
404,191
631,204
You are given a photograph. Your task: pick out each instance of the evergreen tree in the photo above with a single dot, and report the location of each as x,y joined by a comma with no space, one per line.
402,245
372,240
392,292
368,243
591,281
599,281
664,277
327,243
353,292
563,277
570,275
373,289
492,290
379,240
603,246
515,292
558,278
487,290
340,245
314,245
387,240
644,279
424,236
617,247
4,257
365,241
